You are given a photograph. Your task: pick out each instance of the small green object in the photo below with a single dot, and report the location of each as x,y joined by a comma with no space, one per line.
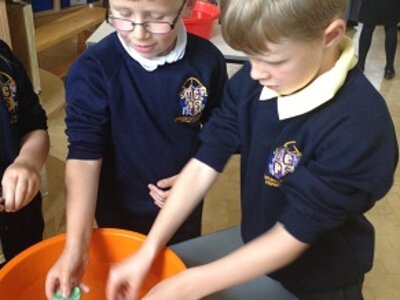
75,295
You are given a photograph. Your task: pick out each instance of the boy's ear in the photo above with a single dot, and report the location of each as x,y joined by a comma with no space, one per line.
334,33
187,11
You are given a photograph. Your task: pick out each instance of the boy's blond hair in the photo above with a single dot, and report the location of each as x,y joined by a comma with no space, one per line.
248,24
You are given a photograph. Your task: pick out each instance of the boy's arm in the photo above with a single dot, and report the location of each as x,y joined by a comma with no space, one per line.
269,252
193,182
81,185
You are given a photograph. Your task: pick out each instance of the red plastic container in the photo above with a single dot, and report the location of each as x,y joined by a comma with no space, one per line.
24,276
203,19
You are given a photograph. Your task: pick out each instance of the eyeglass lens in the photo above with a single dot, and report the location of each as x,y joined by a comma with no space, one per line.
127,25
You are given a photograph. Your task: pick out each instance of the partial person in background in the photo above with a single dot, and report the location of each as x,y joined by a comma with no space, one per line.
384,13
136,102
24,146
352,11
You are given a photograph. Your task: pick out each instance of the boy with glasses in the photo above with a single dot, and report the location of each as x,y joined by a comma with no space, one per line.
136,102
318,149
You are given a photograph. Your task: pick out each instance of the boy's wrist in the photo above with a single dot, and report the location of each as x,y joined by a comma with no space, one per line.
149,250
29,163
76,248
77,243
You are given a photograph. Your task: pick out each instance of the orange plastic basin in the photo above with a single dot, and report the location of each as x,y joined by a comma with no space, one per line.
24,276
202,20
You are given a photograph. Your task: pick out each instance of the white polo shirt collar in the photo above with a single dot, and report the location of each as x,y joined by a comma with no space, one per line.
152,64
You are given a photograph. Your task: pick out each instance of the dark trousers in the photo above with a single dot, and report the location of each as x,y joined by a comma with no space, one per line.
365,44
351,291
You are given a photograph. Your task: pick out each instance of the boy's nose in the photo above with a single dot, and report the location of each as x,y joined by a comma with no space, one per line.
139,32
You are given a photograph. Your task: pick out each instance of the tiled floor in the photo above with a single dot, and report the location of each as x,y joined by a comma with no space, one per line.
222,202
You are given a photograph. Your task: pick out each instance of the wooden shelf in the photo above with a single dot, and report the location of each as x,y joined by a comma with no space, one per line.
70,25
45,16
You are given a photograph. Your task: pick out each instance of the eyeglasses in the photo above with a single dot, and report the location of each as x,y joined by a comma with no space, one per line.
155,27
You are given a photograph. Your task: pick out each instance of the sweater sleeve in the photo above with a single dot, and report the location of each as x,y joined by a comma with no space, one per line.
220,137
87,113
352,168
31,115
220,77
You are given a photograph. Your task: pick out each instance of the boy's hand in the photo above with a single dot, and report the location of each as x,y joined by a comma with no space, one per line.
125,279
20,183
160,191
66,274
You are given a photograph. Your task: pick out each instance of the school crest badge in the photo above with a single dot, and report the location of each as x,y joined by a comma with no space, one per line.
8,91
282,161
193,99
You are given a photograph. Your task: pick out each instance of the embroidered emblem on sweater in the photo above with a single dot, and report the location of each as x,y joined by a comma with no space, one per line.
193,99
281,162
9,90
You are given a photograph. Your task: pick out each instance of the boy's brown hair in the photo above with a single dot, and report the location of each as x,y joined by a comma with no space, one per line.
247,25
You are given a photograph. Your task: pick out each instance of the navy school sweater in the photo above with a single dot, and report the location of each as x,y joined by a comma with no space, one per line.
144,125
317,174
20,113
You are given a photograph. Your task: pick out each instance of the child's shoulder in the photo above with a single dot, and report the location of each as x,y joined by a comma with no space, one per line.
3,45
5,50
201,47
357,100
241,88
104,55
109,47
360,90
8,61
242,83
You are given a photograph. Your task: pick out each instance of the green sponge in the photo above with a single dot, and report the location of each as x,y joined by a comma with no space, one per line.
75,295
